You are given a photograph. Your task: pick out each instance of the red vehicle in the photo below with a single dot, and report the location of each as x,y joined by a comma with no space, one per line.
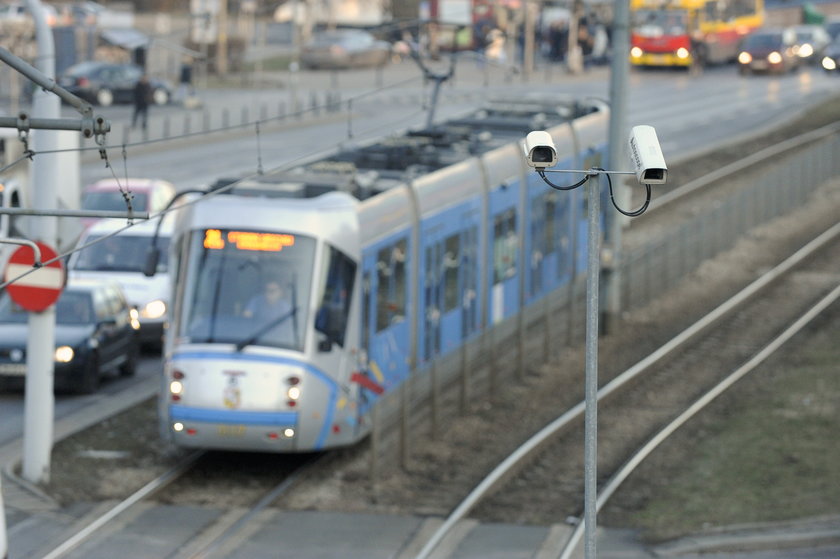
683,33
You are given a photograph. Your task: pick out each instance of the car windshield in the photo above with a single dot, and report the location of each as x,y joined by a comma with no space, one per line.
113,200
245,287
73,307
669,22
82,68
762,40
120,253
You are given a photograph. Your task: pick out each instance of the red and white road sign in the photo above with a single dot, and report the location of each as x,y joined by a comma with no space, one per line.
36,291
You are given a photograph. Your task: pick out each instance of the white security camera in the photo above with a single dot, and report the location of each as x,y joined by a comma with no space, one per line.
646,155
539,150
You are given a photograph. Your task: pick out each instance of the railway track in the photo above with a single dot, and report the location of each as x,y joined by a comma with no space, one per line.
656,393
201,473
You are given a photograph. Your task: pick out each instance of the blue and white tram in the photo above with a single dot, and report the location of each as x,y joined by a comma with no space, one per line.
388,256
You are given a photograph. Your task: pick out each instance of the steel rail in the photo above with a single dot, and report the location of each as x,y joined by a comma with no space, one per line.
628,468
149,489
532,444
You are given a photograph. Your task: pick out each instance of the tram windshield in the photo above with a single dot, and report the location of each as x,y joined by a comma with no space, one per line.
245,288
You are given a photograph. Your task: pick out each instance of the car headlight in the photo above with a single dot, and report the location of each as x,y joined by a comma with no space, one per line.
774,58
806,50
829,63
153,310
64,354
744,58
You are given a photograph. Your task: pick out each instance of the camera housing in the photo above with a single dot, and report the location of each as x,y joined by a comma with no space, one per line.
540,152
646,155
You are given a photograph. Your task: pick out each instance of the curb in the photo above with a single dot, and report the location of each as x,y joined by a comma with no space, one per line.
772,536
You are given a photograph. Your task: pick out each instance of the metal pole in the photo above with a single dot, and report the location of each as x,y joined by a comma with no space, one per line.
39,401
614,222
590,453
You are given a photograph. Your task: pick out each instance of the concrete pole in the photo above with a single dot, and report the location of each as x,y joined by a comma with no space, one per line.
39,401
615,221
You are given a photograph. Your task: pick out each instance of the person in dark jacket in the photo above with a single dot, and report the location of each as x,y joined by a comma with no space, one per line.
142,92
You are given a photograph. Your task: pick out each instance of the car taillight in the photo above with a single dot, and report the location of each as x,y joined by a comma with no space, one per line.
83,82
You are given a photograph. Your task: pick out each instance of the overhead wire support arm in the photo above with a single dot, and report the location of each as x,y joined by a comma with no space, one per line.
90,124
438,80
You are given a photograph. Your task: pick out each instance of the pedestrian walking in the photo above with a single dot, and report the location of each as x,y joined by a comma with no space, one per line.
142,92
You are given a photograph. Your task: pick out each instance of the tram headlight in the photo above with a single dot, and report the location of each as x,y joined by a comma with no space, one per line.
176,388
636,52
288,433
682,53
293,393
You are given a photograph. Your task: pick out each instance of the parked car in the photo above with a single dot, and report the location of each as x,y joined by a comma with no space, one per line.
95,333
344,48
147,195
831,57
120,258
104,83
769,51
811,40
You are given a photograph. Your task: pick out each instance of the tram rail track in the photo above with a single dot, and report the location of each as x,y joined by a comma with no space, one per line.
746,329
217,535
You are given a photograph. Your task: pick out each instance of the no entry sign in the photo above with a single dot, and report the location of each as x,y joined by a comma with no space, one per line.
36,291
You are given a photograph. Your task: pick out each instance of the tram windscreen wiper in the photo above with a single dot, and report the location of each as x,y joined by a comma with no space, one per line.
266,327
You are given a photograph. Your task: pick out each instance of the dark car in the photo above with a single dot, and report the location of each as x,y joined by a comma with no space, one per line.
104,84
345,48
831,58
769,51
95,332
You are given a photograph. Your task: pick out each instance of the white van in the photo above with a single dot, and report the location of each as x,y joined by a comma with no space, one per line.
121,257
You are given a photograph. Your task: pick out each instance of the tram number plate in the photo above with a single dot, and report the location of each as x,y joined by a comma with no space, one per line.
231,430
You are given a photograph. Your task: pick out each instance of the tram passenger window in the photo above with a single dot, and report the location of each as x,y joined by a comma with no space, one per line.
391,285
550,222
505,245
451,261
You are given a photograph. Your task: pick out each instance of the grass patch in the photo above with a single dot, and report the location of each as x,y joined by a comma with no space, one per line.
766,452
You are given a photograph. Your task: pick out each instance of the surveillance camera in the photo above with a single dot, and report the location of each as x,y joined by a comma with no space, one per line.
646,155
539,150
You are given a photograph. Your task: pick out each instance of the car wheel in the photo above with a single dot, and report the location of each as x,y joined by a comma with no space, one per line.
104,98
160,96
89,382
129,366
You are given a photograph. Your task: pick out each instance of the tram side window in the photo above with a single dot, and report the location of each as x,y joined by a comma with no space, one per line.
391,285
505,244
451,266
338,289
366,300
